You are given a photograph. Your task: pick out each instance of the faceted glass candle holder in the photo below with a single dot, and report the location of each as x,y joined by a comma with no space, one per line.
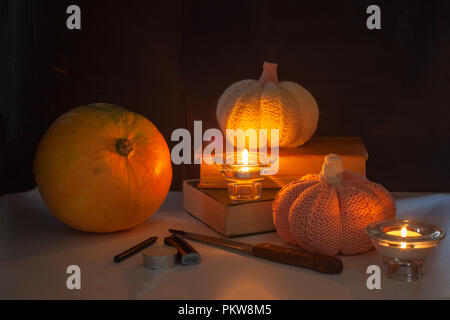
404,245
244,180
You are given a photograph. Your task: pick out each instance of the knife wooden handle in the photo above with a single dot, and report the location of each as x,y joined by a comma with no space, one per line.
298,258
186,253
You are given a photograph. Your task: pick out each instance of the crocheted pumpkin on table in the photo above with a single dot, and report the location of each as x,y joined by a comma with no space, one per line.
269,104
328,213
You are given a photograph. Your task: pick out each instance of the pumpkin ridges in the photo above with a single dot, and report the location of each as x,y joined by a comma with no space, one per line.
283,204
299,214
132,189
384,196
358,209
161,155
292,120
152,180
245,114
139,215
271,116
130,123
325,214
127,192
308,112
228,99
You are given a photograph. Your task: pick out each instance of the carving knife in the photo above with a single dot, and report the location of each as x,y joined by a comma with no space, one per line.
285,255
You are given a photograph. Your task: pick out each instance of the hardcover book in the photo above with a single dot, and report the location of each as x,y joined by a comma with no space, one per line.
231,219
297,162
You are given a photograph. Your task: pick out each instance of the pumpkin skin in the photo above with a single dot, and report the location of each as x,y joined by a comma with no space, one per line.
102,168
269,104
328,213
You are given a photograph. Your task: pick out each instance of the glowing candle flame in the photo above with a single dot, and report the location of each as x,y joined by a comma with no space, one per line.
403,233
245,160
245,156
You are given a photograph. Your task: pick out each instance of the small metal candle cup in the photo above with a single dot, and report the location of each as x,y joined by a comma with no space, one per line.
244,179
404,245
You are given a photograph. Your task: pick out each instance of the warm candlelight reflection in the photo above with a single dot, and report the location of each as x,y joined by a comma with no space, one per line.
245,156
244,160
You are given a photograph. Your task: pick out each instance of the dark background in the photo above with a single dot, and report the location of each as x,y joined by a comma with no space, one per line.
171,60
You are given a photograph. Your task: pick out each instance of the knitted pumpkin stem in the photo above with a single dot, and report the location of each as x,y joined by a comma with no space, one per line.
269,73
332,169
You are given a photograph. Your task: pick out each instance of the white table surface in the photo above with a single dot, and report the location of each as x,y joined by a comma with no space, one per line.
35,250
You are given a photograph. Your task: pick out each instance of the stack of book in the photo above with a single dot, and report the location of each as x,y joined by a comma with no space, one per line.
207,198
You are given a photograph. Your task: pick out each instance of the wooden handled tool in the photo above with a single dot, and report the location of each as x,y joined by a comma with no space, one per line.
285,255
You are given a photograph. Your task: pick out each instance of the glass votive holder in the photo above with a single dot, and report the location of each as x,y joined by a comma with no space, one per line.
244,180
404,245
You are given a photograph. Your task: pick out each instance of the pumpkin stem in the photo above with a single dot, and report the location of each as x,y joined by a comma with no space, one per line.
332,169
124,147
269,73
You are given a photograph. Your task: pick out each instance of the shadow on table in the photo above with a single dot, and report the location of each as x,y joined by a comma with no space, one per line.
29,229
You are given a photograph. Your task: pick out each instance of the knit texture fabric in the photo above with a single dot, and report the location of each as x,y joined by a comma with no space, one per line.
269,104
328,213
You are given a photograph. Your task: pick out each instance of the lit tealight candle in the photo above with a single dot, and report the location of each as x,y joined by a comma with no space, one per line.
404,233
244,160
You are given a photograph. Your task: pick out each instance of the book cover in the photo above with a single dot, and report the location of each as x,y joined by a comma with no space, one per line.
231,219
294,163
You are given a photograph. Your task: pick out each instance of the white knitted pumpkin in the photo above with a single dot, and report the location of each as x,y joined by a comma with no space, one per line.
269,104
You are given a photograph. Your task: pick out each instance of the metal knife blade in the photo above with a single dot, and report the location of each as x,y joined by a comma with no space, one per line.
235,245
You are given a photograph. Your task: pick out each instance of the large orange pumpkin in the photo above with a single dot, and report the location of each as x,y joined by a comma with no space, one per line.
102,168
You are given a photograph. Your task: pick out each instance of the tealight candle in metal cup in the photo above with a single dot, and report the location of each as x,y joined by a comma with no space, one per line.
244,178
404,245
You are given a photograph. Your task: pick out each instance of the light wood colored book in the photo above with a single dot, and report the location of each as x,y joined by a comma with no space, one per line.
231,219
294,163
